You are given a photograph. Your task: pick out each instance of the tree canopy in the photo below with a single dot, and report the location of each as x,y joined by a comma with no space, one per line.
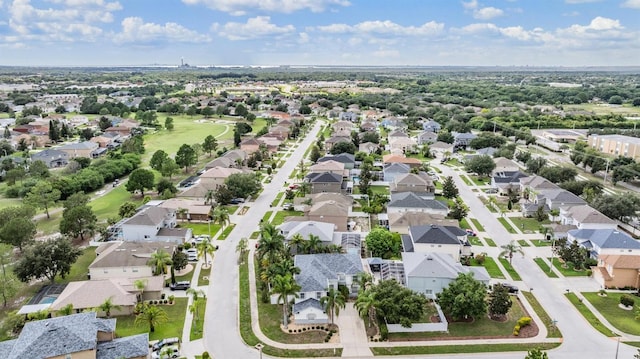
464,297
243,185
47,259
398,304
483,165
380,242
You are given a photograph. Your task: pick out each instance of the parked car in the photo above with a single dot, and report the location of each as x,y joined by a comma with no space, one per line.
294,186
116,182
237,201
512,289
287,206
180,285
471,233
491,190
171,352
166,341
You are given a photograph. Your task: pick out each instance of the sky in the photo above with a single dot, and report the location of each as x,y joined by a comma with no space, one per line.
320,32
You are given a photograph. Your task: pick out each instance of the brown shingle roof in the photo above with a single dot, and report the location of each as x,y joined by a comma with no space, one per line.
129,254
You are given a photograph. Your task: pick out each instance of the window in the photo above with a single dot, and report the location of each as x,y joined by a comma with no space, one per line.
134,270
318,295
68,356
428,291
301,295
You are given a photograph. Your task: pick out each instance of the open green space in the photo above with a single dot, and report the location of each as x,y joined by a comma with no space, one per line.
203,277
544,266
460,349
176,312
506,225
464,224
227,230
588,315
605,109
490,265
528,225
201,228
108,205
9,202
509,268
466,180
552,329
379,190
80,268
480,181
49,226
623,320
477,224
197,322
523,243
541,243
281,215
569,272
490,242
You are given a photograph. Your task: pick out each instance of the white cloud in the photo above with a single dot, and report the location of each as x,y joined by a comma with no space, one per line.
487,13
384,28
240,7
256,27
597,24
386,53
473,4
134,29
633,4
303,38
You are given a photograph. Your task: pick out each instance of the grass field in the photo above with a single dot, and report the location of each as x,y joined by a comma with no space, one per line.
588,315
490,242
201,228
477,224
379,190
461,349
491,267
623,320
605,109
528,225
552,330
509,268
464,224
507,225
226,231
125,325
544,266
281,215
49,226
108,205
204,273
569,272
475,241
80,268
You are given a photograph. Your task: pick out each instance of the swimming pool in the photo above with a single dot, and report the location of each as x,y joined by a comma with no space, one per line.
47,300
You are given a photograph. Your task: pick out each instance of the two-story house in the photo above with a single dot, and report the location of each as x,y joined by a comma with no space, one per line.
413,202
347,159
152,224
411,182
435,238
585,217
325,182
85,149
431,126
126,259
617,271
604,241
330,166
392,170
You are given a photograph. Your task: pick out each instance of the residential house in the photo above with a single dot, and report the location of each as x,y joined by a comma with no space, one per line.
431,272
462,139
585,217
285,123
326,207
393,123
281,132
615,271
250,145
397,134
368,147
85,149
214,177
324,231
325,182
222,161
348,159
348,116
505,165
89,294
435,238
368,126
318,274
441,149
152,224
402,144
104,141
52,158
272,143
401,221
122,131
342,128
391,158
431,126
604,241
540,192
411,182
330,166
195,210
333,140
34,141
118,260
237,157
426,137
412,202
392,170
81,335
506,181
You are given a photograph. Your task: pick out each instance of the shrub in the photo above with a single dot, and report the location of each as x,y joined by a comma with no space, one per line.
516,330
165,301
626,300
172,298
206,355
162,296
524,321
480,258
602,292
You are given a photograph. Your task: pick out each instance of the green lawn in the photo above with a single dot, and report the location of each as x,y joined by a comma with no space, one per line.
476,223
588,315
480,181
569,272
80,268
509,268
379,190
197,323
464,224
201,228
459,349
528,225
266,216
281,215
255,235
475,241
544,266
109,204
226,231
491,267
49,226
523,243
187,277
276,201
466,180
541,243
9,202
552,330
125,325
506,225
623,320
204,273
490,242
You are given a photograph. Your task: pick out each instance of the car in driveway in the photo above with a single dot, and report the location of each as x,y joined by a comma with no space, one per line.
491,190
184,285
236,201
163,342
287,206
512,289
167,352
471,233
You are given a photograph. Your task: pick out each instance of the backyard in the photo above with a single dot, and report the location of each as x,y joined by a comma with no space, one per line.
528,225
126,326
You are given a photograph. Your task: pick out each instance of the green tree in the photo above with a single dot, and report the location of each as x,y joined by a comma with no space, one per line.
365,178
449,189
459,210
483,165
78,221
18,231
153,316
54,134
47,259
169,167
38,169
9,284
107,306
66,310
140,285
205,247
380,243
464,297
168,123
42,195
285,287
445,136
315,154
159,261
535,165
365,305
397,304
508,250
158,159
179,260
139,180
242,247
210,144
243,185
186,157
127,209
499,301
220,215
333,302
343,147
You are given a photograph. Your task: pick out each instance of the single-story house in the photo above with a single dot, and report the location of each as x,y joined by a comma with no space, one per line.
412,202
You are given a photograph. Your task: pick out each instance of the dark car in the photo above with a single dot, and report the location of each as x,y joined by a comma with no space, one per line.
512,289
237,201
180,286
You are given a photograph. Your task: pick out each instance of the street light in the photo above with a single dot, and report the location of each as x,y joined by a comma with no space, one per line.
259,346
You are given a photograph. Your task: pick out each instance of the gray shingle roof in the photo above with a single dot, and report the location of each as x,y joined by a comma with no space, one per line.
317,269
150,216
412,200
438,265
606,238
326,177
128,347
307,303
509,177
343,158
396,167
86,145
436,234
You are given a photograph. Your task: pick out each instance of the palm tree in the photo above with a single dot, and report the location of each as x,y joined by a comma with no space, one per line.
220,215
313,244
304,188
182,213
209,196
365,304
297,242
270,245
332,302
205,247
152,315
107,306
66,310
198,296
159,260
510,249
140,285
364,281
196,293
285,287
242,248
282,267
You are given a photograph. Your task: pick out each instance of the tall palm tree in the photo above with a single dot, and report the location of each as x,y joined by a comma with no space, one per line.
297,242
365,304
220,215
194,308
332,302
510,249
182,213
242,247
196,293
285,287
282,267
107,306
313,244
152,315
66,310
205,247
271,244
364,281
209,196
159,260
140,285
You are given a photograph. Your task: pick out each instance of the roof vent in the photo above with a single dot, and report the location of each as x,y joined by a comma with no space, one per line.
429,257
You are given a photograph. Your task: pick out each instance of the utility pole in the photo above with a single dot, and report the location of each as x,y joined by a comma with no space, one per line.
606,171
494,126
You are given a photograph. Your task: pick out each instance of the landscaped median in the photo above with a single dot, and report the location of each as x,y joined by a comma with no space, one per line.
552,329
608,304
544,266
460,349
588,315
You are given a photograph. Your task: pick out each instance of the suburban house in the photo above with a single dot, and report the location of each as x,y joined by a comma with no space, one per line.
281,132
412,202
80,335
585,217
394,158
85,149
368,126
117,260
250,145
429,273
325,182
326,207
342,128
505,181
505,165
214,177
436,238
335,139
441,149
330,166
348,159
194,210
391,170
324,231
106,140
52,158
401,221
152,224
604,241
541,192
368,147
462,139
348,116
617,271
319,273
411,182
431,126
427,137
402,144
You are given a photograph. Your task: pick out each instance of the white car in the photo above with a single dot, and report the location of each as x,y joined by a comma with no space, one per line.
166,352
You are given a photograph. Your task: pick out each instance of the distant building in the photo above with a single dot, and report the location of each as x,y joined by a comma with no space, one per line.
617,145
